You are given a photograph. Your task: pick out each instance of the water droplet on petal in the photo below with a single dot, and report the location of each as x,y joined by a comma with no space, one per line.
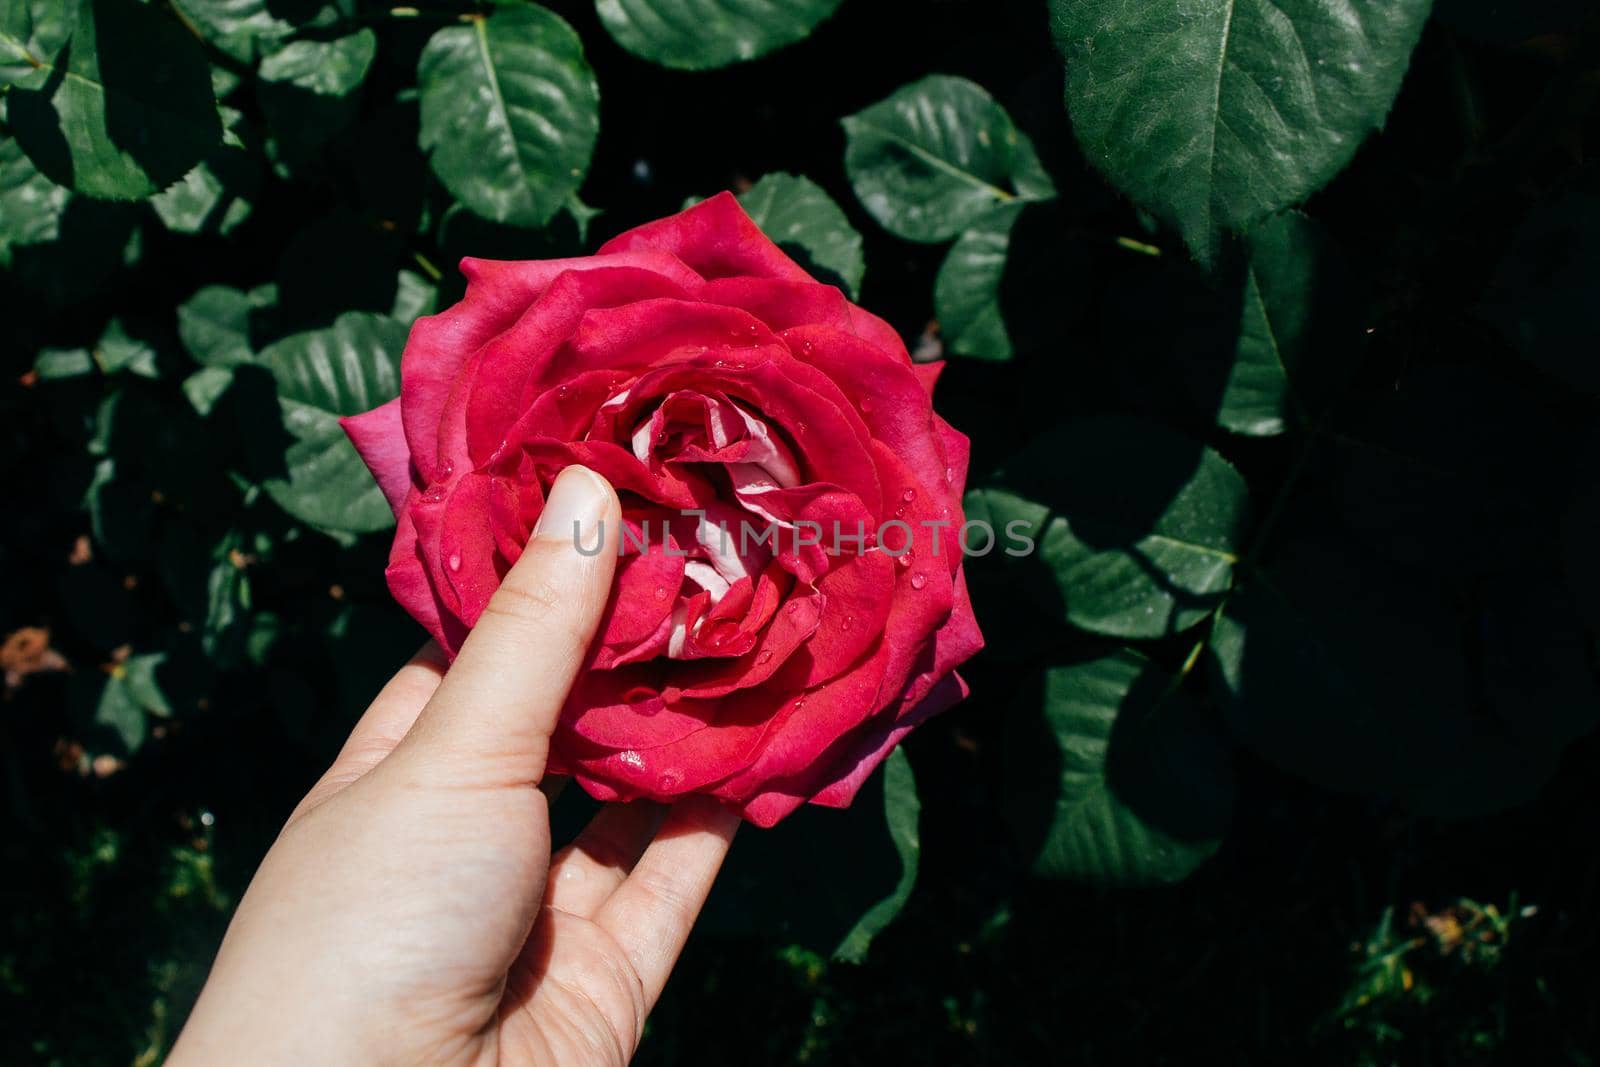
661,592
909,495
903,560
866,405
765,657
446,469
794,607
950,475
562,391
455,561
631,758
918,581
807,347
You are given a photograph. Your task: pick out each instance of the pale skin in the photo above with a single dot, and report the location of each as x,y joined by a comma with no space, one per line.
411,911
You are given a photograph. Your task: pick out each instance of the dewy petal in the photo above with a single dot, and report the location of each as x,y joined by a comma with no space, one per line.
440,346
781,304
928,375
732,736
822,429
805,726
867,326
891,401
649,334
472,565
647,584
495,391
409,581
646,725
715,238
379,436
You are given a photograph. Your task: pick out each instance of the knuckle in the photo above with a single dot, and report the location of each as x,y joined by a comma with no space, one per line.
667,899
529,600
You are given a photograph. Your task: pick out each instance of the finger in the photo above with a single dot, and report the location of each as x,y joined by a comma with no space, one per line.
585,873
491,719
651,913
382,725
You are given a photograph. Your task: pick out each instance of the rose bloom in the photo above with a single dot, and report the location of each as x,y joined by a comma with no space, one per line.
718,386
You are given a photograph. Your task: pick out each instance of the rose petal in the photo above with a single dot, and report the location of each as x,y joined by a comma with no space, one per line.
408,581
495,390
379,436
715,238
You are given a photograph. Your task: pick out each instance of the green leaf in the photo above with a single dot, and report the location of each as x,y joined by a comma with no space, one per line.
32,34
310,90
902,809
351,367
72,253
214,324
117,351
1284,370
510,113
966,296
806,223
110,123
205,387
1216,113
246,29
53,364
327,68
219,194
414,296
1137,529
1142,784
31,205
936,156
139,674
699,34
130,696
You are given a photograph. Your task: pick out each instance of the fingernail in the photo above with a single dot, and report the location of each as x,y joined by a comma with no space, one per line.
573,510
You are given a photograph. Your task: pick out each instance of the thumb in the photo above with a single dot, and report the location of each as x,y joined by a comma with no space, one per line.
491,718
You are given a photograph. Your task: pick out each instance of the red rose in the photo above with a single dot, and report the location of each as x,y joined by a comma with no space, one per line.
718,386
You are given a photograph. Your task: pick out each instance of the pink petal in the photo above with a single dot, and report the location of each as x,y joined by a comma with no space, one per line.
379,436
715,238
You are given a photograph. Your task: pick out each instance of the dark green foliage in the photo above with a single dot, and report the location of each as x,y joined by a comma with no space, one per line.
1301,410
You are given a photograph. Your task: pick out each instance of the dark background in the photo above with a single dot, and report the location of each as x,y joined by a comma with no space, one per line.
1328,929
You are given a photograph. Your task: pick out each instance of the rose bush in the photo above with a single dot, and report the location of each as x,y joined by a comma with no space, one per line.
790,601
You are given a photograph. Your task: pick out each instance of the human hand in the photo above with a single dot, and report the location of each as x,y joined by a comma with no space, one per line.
411,912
